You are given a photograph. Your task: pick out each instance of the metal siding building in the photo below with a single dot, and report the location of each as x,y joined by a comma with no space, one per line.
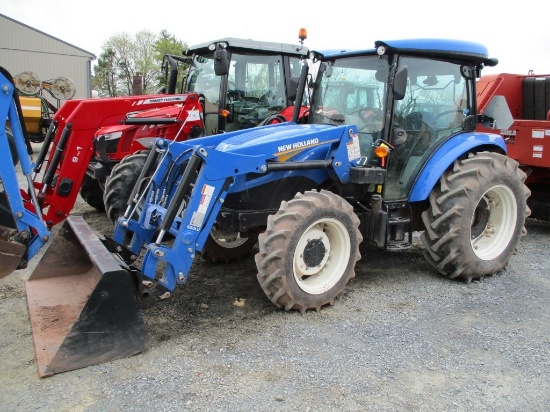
24,49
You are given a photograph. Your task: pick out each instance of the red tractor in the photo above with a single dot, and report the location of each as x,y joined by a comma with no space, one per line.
517,106
96,147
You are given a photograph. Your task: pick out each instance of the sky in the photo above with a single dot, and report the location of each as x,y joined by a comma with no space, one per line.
517,36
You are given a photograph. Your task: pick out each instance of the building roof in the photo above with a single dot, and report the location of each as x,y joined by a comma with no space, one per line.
92,56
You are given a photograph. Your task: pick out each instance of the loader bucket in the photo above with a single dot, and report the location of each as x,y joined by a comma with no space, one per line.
11,253
10,256
82,303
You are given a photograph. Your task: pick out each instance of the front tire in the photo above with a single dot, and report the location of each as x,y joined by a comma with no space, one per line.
308,252
476,216
92,193
120,183
220,248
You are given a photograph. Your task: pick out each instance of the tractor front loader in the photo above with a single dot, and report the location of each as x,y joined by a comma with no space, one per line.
82,303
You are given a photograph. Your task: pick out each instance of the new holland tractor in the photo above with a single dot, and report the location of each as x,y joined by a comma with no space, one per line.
390,148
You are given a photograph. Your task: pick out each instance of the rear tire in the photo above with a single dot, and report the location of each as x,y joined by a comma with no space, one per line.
92,193
476,216
308,252
120,183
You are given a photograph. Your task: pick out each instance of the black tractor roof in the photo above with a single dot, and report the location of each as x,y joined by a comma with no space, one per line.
256,46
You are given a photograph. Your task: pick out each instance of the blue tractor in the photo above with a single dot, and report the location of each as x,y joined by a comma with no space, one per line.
388,149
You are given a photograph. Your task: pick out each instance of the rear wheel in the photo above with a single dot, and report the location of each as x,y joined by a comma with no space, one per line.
309,250
92,193
476,216
120,183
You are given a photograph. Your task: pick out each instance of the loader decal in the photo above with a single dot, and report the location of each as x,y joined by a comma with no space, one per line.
354,150
286,151
165,99
193,115
197,218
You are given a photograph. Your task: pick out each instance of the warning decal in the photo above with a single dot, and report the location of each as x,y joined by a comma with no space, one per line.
198,216
354,150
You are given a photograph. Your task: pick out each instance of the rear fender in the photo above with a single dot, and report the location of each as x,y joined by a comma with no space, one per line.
444,157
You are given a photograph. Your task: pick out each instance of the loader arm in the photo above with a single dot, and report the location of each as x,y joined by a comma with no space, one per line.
191,225
22,231
70,144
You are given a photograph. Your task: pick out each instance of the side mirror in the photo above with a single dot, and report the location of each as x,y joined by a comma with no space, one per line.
293,87
221,62
469,123
400,83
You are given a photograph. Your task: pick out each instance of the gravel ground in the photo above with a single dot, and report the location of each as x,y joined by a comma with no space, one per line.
401,338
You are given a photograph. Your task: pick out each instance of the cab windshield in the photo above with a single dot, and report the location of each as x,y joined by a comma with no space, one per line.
255,87
352,91
438,96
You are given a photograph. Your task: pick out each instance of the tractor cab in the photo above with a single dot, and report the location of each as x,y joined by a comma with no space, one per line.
409,104
243,82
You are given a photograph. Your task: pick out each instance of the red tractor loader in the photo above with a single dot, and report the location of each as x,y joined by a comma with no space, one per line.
96,147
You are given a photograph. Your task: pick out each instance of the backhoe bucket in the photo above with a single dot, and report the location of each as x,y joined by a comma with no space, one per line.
82,303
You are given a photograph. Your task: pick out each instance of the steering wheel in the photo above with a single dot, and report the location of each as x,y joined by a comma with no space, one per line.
366,112
233,93
273,119
444,113
368,115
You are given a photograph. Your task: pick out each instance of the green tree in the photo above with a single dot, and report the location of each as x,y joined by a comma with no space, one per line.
168,44
124,57
104,80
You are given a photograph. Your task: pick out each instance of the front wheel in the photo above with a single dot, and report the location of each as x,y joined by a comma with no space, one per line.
223,248
476,216
308,251
92,193
121,182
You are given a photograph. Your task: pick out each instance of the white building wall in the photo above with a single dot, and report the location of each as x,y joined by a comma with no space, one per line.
24,49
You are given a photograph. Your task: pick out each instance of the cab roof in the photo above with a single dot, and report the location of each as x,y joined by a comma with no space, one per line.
253,45
444,48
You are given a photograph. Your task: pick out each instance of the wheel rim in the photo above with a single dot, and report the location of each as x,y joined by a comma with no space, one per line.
493,223
321,256
228,242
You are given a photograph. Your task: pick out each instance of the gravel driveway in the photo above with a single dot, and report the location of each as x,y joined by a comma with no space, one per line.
401,338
